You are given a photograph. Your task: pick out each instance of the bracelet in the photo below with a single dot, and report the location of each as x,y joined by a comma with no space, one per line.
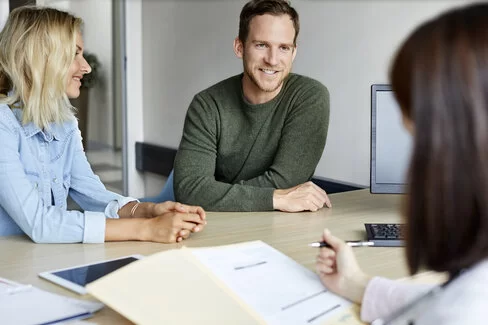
134,208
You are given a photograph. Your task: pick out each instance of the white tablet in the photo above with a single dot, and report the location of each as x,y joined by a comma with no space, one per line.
77,277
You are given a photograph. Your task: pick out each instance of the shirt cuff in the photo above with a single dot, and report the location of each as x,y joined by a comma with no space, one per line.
94,232
114,206
375,292
384,296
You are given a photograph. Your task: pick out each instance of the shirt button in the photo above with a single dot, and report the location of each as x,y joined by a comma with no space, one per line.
55,180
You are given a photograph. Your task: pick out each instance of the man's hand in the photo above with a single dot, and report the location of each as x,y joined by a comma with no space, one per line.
304,197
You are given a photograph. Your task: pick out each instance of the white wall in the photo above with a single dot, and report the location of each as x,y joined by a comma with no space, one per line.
347,45
135,101
97,36
4,9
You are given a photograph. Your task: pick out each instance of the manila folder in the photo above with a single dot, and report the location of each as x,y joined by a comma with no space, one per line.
171,287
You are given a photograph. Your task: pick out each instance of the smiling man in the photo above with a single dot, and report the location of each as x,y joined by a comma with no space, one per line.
252,142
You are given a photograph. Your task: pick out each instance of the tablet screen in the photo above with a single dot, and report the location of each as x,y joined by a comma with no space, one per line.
85,274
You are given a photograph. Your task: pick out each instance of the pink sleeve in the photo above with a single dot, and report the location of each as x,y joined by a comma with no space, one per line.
384,296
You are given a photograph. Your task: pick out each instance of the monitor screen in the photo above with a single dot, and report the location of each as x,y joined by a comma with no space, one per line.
391,144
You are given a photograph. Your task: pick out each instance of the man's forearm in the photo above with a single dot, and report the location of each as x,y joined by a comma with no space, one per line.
218,196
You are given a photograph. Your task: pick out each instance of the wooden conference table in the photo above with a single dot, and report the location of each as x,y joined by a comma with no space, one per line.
21,260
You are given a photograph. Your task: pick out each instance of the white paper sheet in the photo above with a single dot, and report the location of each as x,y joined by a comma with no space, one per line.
25,304
278,288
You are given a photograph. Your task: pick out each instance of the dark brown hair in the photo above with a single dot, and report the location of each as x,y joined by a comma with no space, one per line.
261,7
440,79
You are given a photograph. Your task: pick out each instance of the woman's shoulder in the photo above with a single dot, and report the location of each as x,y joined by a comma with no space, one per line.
464,300
8,119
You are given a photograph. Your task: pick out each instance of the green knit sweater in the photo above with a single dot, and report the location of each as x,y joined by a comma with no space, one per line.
234,154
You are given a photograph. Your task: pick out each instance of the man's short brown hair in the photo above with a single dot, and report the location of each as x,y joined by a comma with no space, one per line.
271,7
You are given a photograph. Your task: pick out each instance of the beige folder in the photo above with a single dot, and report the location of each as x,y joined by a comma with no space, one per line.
174,287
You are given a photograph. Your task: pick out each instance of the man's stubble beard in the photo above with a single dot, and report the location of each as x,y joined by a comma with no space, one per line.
256,82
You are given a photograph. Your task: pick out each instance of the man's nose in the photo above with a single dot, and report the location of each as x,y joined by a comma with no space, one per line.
272,56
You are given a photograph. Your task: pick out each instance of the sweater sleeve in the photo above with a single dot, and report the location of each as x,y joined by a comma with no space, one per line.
194,180
383,296
302,141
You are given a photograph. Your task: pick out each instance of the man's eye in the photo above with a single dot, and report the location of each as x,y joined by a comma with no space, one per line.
285,48
260,46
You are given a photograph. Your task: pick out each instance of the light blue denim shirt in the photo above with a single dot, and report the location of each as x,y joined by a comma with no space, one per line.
38,169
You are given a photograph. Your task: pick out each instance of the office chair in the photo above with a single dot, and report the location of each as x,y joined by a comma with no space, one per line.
166,194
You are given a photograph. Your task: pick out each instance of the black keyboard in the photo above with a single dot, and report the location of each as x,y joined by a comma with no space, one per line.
386,234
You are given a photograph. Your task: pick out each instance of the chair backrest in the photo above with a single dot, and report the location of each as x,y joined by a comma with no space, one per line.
166,194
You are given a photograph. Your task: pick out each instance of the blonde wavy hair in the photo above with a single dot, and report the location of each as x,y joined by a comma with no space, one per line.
37,47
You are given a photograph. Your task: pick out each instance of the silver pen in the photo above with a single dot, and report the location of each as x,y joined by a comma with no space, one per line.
352,243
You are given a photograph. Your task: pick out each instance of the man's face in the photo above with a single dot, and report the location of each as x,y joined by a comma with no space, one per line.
267,54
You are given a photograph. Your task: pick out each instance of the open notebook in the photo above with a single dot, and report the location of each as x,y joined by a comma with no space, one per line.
247,283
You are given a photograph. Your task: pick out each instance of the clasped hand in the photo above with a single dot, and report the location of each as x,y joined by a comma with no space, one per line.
171,222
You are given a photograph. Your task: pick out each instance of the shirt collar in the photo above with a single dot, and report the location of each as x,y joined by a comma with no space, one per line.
55,131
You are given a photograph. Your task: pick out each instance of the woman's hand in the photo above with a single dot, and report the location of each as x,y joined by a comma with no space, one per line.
171,227
165,222
136,209
339,271
169,206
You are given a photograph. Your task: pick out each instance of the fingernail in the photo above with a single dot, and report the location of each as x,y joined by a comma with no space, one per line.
196,229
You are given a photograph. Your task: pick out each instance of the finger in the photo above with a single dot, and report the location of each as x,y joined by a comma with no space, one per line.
329,262
333,241
192,217
326,262
184,233
178,239
327,253
199,227
314,201
190,226
163,207
313,197
201,213
328,203
321,268
197,210
320,191
319,201
320,258
323,195
179,207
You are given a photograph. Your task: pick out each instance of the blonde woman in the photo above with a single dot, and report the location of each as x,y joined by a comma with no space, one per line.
41,157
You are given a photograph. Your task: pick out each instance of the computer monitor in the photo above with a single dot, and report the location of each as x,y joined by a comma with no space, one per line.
391,144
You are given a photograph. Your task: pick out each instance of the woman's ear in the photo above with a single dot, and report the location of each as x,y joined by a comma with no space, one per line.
408,124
